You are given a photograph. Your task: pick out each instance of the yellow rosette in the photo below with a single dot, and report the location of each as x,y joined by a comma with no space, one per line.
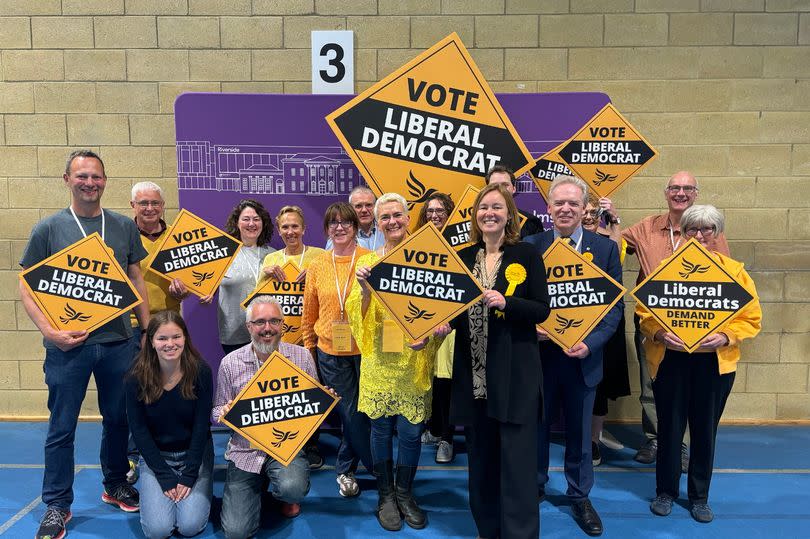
588,256
515,274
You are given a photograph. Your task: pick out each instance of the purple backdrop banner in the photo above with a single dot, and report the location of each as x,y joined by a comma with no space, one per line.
279,150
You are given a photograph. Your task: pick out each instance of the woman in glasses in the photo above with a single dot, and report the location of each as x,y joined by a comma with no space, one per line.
693,387
327,335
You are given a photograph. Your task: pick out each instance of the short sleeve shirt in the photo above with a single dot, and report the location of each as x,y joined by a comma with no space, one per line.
60,230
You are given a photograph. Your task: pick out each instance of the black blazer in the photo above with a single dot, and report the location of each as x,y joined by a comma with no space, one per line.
514,376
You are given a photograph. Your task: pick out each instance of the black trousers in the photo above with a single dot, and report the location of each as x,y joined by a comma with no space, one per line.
439,423
689,387
502,485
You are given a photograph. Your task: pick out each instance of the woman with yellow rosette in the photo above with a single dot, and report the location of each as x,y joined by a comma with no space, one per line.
395,379
497,378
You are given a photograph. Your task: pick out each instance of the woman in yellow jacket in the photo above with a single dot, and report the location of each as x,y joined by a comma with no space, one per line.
694,386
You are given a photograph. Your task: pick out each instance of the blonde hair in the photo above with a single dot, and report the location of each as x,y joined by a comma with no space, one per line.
390,197
290,209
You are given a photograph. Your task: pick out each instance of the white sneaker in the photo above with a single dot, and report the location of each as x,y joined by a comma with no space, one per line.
429,439
610,441
444,452
347,485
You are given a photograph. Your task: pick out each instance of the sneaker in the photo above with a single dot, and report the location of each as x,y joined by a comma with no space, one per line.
701,512
610,441
684,459
290,510
596,455
648,452
347,485
444,452
662,505
314,457
53,523
429,439
124,496
132,474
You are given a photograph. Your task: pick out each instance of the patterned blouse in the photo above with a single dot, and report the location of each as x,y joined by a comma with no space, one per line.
479,326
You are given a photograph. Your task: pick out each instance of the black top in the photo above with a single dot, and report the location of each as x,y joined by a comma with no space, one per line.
533,224
514,377
172,424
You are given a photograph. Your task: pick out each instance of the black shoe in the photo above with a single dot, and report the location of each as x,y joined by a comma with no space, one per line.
648,452
387,511
596,456
684,459
661,505
125,497
701,512
411,512
587,518
541,494
313,455
53,523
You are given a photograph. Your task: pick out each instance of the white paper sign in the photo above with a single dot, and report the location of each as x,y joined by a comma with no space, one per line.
333,62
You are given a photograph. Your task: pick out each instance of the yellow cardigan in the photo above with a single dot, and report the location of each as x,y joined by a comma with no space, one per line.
746,324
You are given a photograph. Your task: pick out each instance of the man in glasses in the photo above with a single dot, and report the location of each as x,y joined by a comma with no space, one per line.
251,470
653,239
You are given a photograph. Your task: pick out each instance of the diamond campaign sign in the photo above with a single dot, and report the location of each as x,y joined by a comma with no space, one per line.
81,287
456,230
691,295
607,151
434,124
290,296
547,167
423,283
280,408
580,294
196,252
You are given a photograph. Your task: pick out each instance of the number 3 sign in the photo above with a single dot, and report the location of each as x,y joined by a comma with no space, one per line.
333,62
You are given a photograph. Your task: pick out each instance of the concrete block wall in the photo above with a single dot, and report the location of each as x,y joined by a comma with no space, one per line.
720,87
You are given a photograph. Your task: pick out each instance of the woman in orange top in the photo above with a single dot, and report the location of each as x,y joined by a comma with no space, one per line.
326,333
694,386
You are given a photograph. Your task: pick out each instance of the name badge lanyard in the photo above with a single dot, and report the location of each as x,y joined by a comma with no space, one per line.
300,261
672,238
252,268
342,297
81,228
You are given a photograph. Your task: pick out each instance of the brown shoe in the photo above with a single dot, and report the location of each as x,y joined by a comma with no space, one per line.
290,510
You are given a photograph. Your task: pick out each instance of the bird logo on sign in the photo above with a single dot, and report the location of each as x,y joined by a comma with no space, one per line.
72,314
286,328
602,177
691,269
418,191
201,277
282,436
566,324
415,313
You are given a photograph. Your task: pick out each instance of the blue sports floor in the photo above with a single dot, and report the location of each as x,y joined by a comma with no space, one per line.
760,489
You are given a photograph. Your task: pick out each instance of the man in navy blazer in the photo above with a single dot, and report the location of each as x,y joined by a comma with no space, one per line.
571,376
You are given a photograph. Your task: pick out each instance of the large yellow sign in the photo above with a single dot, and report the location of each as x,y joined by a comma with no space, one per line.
456,230
434,124
547,167
290,296
423,283
607,151
280,408
580,294
196,252
691,295
81,287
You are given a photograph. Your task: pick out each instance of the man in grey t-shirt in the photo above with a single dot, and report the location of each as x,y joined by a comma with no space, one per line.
72,356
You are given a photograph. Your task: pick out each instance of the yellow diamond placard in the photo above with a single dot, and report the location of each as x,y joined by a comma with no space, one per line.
280,408
423,283
81,287
607,151
456,230
691,295
580,294
434,124
290,296
547,167
196,252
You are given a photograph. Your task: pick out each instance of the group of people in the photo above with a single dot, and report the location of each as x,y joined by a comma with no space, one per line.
491,370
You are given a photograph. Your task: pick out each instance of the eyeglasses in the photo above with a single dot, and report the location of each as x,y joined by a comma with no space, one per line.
436,211
341,224
260,323
148,203
593,213
706,231
385,218
687,189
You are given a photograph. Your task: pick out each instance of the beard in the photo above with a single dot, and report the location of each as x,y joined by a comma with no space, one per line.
265,348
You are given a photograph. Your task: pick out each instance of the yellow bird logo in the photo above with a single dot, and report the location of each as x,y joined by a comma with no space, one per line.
602,177
415,313
201,277
691,269
417,191
566,324
282,436
72,314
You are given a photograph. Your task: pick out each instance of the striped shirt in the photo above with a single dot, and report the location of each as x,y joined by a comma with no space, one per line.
235,371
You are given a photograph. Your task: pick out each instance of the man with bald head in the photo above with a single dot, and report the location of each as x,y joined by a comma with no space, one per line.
653,239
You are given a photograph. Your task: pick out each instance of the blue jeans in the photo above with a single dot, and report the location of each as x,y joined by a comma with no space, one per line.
382,436
342,373
242,497
67,375
160,515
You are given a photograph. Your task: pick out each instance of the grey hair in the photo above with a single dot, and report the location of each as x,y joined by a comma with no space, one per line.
390,197
700,215
359,189
258,300
564,179
146,186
